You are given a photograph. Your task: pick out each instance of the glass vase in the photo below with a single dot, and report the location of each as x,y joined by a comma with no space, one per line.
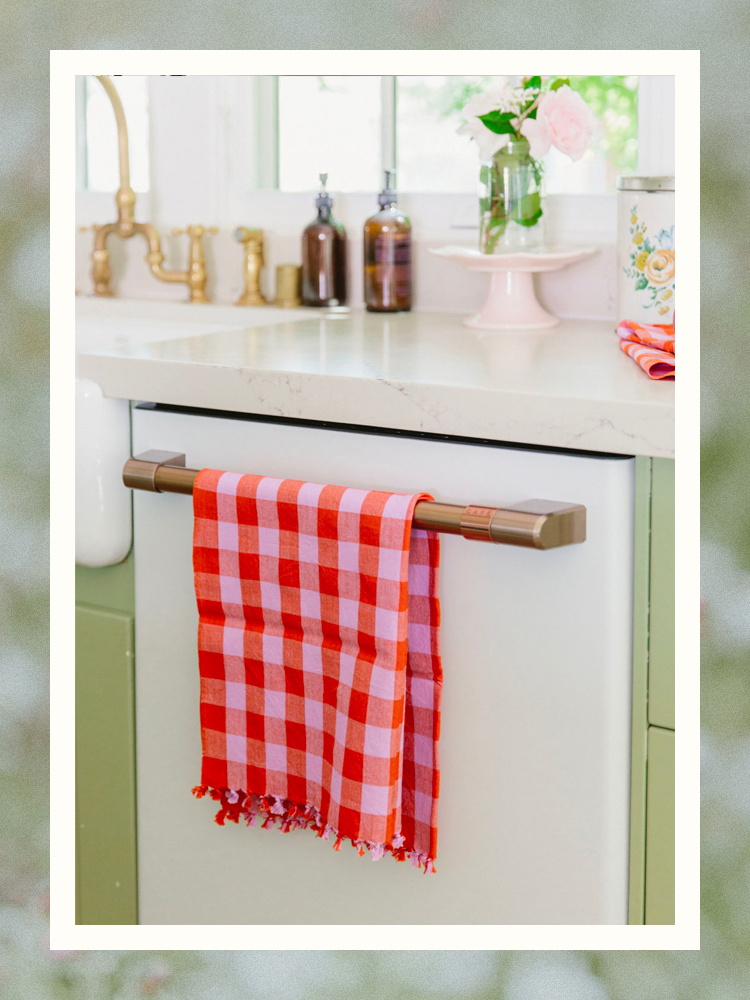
510,200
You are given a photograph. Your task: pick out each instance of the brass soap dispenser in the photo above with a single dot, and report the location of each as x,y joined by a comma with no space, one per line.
387,255
324,255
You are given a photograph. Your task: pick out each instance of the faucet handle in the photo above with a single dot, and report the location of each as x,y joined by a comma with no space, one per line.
244,235
195,232
252,240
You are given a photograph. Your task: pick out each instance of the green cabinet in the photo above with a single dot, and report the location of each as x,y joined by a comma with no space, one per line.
652,760
106,870
661,595
660,827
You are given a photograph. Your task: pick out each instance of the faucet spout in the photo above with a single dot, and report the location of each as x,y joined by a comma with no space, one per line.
125,227
125,197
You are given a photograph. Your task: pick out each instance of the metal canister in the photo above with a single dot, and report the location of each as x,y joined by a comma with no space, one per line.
288,286
646,250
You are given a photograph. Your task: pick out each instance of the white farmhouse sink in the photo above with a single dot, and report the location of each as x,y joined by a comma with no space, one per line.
103,506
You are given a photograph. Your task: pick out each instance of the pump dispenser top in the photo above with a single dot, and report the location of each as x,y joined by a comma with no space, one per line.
388,195
324,200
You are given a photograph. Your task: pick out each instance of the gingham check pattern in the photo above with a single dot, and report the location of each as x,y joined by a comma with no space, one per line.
319,660
651,346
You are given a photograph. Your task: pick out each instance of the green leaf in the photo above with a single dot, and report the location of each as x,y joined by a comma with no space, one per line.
642,283
529,207
498,123
561,81
533,82
532,220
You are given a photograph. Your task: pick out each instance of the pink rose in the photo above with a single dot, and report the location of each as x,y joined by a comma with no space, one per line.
564,120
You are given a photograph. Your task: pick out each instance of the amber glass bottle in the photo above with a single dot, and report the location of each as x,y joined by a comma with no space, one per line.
387,255
324,255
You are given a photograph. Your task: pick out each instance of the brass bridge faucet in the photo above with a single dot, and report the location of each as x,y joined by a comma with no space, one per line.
126,226
196,274
253,264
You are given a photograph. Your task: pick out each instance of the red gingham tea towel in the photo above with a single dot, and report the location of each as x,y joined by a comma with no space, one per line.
319,661
651,346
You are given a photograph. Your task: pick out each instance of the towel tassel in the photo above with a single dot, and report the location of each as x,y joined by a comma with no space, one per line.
235,804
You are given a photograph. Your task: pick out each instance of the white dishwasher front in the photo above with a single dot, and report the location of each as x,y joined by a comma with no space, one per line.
535,738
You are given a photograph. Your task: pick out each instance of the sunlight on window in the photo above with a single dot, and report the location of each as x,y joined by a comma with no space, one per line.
329,124
431,157
102,162
614,101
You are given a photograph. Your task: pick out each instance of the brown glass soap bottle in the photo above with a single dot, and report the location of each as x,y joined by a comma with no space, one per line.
324,255
387,255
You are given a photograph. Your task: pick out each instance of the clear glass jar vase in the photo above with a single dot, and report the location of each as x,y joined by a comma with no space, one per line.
510,200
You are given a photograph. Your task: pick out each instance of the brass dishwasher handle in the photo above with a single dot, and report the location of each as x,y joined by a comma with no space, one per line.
536,524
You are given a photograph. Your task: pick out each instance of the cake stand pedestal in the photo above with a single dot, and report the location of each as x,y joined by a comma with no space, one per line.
511,302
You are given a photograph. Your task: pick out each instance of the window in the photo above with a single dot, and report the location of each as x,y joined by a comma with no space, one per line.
353,127
98,166
431,157
329,124
614,101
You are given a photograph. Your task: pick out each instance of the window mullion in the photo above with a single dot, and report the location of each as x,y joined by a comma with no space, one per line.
388,122
267,132
81,135
656,117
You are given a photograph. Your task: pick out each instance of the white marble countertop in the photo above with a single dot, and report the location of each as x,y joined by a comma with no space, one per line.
569,387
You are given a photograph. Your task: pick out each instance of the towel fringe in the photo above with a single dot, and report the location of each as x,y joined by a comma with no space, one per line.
275,810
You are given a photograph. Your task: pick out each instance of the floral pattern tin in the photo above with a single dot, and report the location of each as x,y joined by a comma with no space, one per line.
646,250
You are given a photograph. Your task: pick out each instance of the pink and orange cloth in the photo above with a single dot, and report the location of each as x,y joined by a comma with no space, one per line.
652,347
319,661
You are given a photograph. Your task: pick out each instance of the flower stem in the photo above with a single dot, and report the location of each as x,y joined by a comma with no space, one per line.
527,112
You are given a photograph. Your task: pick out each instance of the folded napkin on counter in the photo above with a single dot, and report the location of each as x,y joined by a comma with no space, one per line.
651,346
319,661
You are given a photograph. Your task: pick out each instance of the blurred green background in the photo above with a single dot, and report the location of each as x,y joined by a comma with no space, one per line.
613,99
721,970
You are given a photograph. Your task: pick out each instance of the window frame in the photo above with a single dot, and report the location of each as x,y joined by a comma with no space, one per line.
81,135
231,181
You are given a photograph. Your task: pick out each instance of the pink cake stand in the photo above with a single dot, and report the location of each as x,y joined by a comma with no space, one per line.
511,303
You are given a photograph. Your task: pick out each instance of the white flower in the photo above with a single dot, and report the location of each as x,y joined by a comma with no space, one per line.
498,98
487,141
482,104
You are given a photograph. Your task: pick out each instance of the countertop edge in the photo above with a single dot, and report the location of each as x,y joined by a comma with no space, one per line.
619,427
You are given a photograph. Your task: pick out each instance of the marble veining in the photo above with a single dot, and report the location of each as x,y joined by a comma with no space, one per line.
569,387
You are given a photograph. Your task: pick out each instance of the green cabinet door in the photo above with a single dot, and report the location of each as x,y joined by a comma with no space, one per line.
105,768
661,638
652,758
660,827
